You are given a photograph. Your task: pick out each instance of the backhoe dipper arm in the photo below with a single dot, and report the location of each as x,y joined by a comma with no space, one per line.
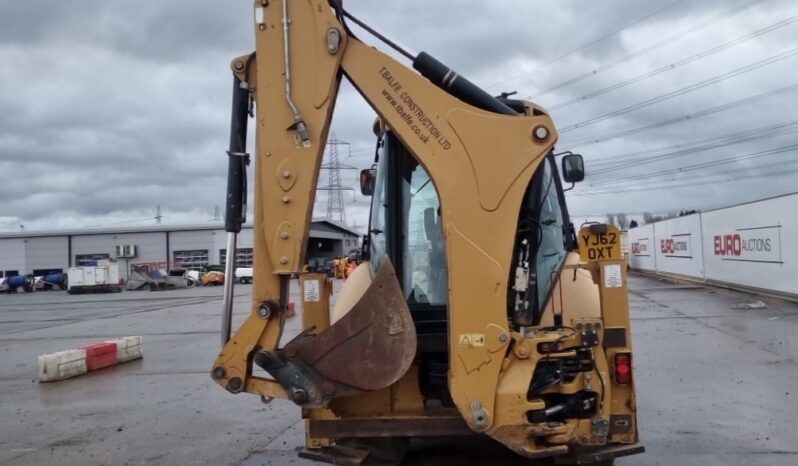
480,161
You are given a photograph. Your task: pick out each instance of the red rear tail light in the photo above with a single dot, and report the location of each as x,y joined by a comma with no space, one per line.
623,368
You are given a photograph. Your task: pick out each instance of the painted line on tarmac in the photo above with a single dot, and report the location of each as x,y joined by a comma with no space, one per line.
685,317
648,298
96,316
102,301
156,334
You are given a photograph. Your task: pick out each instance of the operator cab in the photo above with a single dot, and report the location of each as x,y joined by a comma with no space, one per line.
406,225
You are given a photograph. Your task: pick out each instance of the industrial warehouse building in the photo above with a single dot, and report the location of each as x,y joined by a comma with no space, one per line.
149,248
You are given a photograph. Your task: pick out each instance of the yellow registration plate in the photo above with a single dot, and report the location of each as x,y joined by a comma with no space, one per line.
600,243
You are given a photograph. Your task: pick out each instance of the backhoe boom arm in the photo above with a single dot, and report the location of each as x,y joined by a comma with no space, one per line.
479,153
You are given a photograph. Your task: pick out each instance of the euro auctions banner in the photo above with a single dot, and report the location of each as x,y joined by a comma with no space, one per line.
754,244
641,247
750,244
678,246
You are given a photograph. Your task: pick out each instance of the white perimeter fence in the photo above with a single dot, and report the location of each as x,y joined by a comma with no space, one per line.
752,245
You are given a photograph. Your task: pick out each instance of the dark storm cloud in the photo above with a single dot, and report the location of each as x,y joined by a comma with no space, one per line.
151,29
109,108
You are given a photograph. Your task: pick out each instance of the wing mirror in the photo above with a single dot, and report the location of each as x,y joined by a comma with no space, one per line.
573,168
368,179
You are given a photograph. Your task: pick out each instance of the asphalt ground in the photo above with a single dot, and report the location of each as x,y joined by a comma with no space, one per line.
715,385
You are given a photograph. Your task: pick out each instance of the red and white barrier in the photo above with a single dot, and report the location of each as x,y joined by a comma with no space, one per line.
62,365
127,348
100,355
71,363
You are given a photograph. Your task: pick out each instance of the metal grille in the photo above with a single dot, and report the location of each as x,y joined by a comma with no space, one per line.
243,257
82,260
195,259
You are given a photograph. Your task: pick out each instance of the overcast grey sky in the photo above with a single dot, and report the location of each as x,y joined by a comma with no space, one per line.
108,109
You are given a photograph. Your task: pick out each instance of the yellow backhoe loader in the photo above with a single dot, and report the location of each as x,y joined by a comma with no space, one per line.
478,309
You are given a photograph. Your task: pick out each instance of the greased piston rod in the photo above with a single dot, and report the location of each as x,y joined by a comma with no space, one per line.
236,201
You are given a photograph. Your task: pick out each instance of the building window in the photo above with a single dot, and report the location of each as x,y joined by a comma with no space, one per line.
243,257
147,267
325,245
351,243
140,268
82,260
9,273
195,259
43,272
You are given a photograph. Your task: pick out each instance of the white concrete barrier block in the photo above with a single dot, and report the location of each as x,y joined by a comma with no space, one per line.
62,365
128,348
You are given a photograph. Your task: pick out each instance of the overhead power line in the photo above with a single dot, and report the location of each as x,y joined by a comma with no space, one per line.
614,165
676,64
699,166
693,87
622,159
739,171
123,222
691,116
666,41
686,185
589,44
